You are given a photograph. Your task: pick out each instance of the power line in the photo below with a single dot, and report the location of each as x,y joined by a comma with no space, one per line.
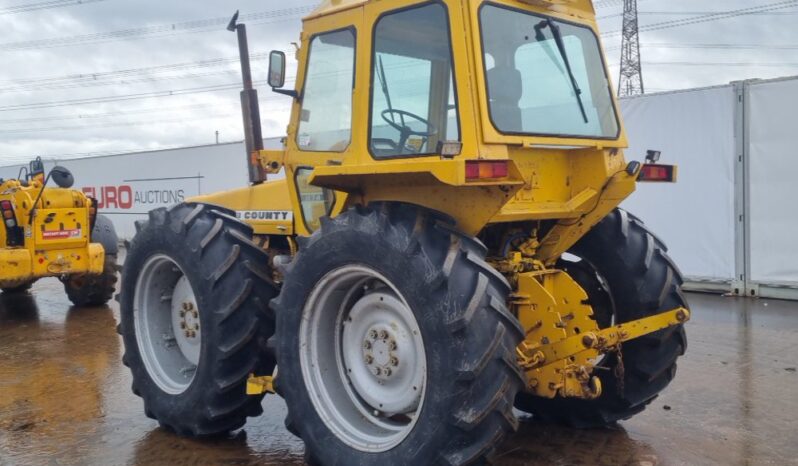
710,17
609,3
745,64
709,64
96,116
696,13
44,6
155,31
95,76
144,95
711,46
114,125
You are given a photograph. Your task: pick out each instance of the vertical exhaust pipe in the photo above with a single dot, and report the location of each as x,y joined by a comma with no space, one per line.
253,134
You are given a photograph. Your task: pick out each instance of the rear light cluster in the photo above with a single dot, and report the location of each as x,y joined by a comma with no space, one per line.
486,169
657,173
8,214
14,236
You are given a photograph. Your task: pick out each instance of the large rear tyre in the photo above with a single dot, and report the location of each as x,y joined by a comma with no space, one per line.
97,290
395,345
195,318
627,275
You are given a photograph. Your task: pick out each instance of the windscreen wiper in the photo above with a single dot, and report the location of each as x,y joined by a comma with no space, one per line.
555,31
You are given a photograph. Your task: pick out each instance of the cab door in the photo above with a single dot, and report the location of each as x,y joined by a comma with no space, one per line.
321,131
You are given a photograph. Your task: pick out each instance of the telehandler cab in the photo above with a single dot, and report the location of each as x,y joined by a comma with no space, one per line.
55,232
446,244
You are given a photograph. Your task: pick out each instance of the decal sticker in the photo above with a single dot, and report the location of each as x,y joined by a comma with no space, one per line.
61,234
266,215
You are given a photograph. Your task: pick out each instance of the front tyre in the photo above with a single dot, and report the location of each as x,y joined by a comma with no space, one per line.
395,345
195,319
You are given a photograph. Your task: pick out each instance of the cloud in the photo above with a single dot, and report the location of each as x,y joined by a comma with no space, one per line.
191,119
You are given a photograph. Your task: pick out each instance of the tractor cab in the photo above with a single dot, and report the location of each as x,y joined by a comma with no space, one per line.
447,96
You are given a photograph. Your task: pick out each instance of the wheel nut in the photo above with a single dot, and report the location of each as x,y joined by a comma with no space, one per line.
182,313
392,345
373,334
367,344
183,325
196,314
388,372
188,333
368,359
394,361
377,371
383,335
196,326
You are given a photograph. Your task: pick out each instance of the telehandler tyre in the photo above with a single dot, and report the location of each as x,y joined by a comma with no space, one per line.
627,275
395,345
97,290
195,318
24,288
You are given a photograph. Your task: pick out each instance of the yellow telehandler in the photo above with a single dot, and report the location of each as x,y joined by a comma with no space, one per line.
445,245
55,232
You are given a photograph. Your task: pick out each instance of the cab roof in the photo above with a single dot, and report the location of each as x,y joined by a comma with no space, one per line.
580,7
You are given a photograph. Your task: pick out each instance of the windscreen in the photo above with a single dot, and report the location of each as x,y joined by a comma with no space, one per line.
545,76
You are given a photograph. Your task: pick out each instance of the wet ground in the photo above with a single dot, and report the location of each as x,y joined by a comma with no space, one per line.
65,398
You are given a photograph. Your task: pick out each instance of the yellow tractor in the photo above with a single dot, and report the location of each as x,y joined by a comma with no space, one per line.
445,245
55,232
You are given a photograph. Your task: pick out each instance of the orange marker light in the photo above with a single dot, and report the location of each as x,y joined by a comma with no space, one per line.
486,169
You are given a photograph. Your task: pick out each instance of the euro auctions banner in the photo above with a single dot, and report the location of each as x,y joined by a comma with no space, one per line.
128,186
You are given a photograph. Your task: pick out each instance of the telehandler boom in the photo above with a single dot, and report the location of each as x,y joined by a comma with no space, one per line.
445,245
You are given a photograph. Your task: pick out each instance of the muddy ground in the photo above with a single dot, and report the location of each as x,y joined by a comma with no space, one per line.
65,398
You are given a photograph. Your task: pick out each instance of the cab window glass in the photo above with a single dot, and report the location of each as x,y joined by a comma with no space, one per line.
325,123
413,104
316,202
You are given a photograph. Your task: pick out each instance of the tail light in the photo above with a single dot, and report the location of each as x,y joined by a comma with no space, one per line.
8,214
486,169
657,173
14,235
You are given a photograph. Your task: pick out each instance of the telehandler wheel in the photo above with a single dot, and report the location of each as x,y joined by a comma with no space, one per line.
627,275
395,345
97,290
195,318
24,288
93,290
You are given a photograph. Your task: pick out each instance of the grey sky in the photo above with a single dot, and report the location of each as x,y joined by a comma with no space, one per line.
70,130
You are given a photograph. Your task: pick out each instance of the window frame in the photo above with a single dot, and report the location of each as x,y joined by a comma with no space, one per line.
372,76
297,171
301,100
618,126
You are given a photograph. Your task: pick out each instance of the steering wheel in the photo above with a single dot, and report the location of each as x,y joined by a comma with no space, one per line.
406,131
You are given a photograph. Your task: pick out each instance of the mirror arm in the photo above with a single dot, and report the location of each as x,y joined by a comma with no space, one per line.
288,92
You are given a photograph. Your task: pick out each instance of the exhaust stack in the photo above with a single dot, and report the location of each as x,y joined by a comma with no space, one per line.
250,109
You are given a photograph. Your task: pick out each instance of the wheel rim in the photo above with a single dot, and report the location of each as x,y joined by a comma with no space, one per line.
362,358
167,324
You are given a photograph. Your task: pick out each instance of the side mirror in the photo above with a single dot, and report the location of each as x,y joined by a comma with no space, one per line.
62,177
276,69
